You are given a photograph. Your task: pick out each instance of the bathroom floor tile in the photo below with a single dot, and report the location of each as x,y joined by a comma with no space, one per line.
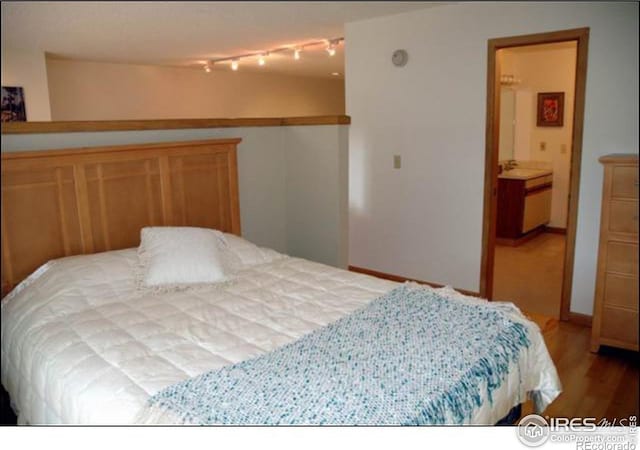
530,275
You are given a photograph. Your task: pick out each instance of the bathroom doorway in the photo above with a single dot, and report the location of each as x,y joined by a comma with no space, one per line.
535,108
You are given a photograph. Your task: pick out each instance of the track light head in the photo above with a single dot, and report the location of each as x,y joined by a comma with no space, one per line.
332,46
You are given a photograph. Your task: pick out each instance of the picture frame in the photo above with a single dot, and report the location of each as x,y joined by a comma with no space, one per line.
13,106
550,109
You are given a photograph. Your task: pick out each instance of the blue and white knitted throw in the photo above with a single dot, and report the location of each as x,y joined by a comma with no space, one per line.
410,357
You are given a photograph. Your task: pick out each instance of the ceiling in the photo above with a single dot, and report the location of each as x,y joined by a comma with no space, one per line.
190,33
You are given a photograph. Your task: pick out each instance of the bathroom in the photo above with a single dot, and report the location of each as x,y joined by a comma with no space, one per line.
537,85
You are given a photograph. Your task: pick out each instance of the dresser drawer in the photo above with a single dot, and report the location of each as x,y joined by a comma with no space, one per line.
622,257
625,182
620,324
621,291
623,216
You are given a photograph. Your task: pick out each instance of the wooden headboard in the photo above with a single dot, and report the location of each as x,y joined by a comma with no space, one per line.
66,202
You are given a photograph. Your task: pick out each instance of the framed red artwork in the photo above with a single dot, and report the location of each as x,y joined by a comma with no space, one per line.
550,109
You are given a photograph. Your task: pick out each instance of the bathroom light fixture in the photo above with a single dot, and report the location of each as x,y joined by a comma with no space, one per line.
508,79
331,47
207,67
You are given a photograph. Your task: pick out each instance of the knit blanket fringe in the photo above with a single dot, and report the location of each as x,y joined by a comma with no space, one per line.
464,397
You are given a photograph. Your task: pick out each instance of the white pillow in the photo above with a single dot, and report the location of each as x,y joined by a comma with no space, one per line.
176,256
238,253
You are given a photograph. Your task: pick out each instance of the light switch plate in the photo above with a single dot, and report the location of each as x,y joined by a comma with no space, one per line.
397,161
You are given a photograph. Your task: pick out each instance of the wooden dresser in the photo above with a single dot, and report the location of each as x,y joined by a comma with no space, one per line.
615,310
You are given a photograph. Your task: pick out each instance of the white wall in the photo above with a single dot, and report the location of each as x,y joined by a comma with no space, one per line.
425,220
291,180
26,68
317,199
547,68
84,90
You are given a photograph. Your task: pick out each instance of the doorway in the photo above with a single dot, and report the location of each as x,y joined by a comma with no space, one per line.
578,38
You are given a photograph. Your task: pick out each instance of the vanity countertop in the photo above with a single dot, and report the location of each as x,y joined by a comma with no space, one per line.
524,174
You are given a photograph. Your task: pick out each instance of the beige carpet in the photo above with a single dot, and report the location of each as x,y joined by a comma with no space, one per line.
530,275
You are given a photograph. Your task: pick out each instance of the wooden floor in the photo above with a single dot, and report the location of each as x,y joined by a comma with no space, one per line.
530,275
603,385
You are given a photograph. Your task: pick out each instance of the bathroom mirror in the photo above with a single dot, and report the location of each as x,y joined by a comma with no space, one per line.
507,123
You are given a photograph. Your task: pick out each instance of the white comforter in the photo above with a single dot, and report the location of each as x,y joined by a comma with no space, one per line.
82,345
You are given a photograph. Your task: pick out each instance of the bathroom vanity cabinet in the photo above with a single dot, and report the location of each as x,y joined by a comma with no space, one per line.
524,205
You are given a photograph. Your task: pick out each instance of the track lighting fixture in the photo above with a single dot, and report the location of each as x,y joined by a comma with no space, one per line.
331,47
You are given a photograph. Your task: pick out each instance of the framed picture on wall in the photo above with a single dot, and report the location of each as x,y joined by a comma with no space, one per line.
13,109
550,109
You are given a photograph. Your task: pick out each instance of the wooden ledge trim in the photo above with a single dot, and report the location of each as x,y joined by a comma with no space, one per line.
399,279
166,124
114,148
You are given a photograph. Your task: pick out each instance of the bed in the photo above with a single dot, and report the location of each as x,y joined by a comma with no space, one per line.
83,344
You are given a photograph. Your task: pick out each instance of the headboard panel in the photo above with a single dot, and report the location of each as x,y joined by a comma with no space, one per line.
66,202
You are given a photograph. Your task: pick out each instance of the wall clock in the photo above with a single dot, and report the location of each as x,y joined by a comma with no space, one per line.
399,58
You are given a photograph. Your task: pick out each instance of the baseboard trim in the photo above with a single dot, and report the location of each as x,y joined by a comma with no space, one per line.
580,319
556,230
401,279
515,242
